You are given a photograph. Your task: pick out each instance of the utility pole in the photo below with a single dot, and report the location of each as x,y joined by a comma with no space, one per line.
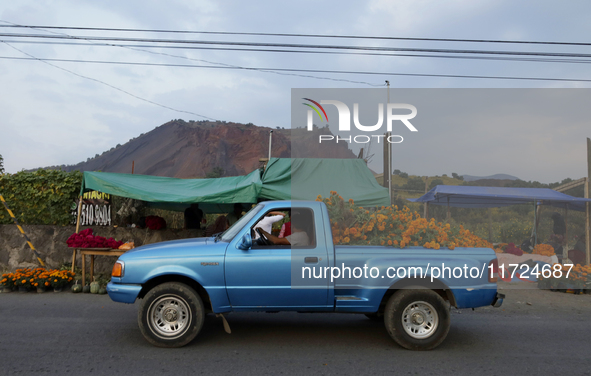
426,209
389,152
270,142
587,209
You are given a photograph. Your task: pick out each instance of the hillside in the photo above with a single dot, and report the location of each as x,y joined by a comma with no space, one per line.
490,177
193,149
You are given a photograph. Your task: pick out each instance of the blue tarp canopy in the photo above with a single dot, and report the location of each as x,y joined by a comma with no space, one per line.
462,196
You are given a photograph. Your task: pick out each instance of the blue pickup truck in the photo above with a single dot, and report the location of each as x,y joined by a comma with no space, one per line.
247,269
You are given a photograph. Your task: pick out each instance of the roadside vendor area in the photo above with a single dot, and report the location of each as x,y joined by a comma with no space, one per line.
548,263
193,207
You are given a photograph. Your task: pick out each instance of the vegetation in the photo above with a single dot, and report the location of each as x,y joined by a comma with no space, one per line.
217,172
390,226
40,197
498,225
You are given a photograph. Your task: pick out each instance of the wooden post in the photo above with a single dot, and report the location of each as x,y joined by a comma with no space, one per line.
587,241
537,212
77,229
565,242
587,195
490,237
426,210
386,175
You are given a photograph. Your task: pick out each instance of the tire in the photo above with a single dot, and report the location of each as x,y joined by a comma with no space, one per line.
171,315
417,319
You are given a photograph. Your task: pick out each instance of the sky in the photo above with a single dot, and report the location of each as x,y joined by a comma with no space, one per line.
58,112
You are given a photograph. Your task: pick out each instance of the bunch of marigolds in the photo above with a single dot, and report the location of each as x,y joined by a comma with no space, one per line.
352,224
566,276
544,250
39,277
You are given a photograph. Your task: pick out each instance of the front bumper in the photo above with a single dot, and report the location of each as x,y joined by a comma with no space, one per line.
123,293
498,301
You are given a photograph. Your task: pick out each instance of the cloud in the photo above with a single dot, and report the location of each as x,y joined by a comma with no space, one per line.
63,118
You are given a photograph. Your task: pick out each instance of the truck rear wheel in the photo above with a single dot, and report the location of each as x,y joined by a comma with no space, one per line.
417,319
171,315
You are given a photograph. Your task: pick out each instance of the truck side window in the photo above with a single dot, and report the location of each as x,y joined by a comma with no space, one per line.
298,222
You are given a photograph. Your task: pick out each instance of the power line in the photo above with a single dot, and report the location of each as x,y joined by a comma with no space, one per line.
299,45
491,58
283,70
212,62
496,41
31,57
307,70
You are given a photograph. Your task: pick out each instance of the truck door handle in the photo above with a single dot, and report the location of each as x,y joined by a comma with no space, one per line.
311,260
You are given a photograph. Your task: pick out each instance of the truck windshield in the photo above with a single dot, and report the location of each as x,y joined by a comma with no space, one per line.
230,233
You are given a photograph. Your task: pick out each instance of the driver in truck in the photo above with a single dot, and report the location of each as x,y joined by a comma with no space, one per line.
298,237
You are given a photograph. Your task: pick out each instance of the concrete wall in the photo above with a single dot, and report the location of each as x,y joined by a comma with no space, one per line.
50,242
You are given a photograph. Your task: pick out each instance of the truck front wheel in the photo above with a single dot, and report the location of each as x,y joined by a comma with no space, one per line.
171,315
417,319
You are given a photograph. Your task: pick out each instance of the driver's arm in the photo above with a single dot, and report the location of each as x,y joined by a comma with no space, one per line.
275,240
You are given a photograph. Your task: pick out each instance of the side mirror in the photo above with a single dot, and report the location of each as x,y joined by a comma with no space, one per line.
245,243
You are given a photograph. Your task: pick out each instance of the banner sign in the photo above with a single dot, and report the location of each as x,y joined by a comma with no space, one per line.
96,209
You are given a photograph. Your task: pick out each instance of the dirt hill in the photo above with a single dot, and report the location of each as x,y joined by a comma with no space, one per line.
191,150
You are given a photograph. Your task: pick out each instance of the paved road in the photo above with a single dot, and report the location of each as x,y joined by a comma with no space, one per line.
84,334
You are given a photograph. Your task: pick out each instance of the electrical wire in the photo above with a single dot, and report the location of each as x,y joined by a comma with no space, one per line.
106,84
300,45
496,41
307,70
212,62
491,58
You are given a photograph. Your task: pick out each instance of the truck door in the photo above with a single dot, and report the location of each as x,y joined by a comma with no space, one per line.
261,277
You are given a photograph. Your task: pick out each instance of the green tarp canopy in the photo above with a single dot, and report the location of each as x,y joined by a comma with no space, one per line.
213,195
283,179
306,178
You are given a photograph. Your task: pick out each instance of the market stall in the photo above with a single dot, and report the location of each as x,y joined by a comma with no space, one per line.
282,179
489,197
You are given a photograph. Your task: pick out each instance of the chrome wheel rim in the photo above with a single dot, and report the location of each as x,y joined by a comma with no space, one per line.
169,317
420,320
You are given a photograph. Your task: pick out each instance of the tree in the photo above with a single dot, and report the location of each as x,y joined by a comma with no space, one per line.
404,175
396,172
1,164
435,183
415,184
217,172
456,176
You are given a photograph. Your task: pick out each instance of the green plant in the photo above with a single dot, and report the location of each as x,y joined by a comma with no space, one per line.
8,280
515,231
42,197
60,278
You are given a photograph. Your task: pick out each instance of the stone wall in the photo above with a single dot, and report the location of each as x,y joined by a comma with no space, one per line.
50,242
